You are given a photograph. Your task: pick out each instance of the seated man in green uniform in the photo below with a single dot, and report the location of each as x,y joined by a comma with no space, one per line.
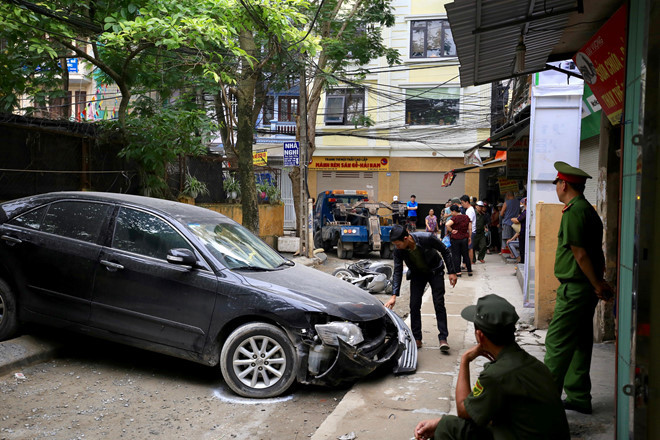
514,397
579,266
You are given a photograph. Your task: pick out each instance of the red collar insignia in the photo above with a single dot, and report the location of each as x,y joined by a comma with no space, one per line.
566,208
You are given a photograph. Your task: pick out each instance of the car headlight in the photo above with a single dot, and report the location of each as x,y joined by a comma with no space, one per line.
346,331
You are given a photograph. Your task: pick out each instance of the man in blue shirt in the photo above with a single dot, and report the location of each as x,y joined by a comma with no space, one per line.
412,213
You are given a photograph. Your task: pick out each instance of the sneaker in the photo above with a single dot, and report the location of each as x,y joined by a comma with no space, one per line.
444,347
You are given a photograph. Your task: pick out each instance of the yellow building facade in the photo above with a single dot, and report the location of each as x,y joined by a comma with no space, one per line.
422,119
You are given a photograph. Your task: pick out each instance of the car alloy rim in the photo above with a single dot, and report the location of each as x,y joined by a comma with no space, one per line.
259,362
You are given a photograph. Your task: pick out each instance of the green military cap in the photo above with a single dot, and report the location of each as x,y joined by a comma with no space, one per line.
570,174
492,314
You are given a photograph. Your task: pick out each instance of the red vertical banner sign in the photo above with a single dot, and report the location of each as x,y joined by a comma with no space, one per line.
602,63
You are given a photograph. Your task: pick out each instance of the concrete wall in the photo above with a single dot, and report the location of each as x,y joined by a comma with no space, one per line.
548,218
271,218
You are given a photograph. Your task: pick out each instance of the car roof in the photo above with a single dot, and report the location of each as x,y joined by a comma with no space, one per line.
180,211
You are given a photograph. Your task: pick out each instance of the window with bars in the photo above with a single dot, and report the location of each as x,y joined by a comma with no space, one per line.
436,106
431,39
344,106
287,108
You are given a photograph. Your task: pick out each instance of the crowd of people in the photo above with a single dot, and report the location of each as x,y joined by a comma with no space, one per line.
494,227
516,395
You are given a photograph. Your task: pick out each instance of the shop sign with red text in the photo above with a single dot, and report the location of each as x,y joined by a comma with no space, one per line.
602,63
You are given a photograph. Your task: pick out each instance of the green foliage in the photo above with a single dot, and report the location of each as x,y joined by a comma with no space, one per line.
229,184
157,135
194,188
271,191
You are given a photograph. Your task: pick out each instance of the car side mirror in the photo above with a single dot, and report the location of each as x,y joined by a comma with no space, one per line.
183,257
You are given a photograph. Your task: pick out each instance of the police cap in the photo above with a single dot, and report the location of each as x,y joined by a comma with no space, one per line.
492,314
570,174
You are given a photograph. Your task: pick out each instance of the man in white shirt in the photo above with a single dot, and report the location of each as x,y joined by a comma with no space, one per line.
469,211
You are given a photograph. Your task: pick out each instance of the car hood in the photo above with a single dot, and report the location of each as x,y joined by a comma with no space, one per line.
319,290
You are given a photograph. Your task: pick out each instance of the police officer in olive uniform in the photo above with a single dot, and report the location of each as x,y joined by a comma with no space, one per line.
515,395
579,266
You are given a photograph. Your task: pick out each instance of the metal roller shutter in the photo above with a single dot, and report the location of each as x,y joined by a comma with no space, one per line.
359,180
427,187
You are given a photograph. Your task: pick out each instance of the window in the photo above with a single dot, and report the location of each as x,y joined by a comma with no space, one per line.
31,220
145,234
288,108
79,220
269,110
431,39
436,106
344,106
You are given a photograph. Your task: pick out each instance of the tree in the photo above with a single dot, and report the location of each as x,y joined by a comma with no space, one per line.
267,32
162,46
158,48
349,33
125,38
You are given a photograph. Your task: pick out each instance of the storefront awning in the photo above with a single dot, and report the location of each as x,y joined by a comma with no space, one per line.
488,34
509,130
448,178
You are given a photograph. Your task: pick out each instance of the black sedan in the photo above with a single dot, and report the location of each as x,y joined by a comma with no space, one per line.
189,282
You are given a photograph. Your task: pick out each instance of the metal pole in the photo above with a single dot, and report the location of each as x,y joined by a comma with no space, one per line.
310,229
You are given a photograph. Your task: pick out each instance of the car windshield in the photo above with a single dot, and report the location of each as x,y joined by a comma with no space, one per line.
236,247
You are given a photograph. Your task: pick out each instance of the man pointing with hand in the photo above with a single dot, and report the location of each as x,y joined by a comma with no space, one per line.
423,253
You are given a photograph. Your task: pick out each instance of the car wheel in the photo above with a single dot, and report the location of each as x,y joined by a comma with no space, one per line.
386,251
258,360
344,274
344,251
8,318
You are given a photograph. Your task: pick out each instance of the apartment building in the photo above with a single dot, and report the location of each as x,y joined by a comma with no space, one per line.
86,99
423,120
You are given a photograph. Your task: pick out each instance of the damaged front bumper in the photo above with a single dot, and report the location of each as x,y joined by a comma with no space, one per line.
392,344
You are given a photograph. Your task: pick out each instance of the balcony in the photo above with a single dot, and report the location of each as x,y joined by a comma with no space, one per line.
283,127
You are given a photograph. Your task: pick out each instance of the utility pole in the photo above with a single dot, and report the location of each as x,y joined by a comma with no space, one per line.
302,108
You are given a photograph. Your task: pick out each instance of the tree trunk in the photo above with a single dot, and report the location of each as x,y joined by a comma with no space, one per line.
245,135
294,175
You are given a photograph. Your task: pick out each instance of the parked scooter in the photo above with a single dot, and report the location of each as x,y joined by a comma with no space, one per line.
375,277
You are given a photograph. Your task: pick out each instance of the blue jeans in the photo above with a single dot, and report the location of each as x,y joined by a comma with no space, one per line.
514,247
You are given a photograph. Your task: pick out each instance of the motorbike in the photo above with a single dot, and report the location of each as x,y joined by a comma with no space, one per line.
374,277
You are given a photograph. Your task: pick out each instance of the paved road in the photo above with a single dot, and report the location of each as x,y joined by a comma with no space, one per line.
103,390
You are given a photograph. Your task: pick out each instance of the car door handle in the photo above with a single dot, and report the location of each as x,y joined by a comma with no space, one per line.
111,266
11,240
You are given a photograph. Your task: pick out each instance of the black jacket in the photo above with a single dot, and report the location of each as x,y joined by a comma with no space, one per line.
432,248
